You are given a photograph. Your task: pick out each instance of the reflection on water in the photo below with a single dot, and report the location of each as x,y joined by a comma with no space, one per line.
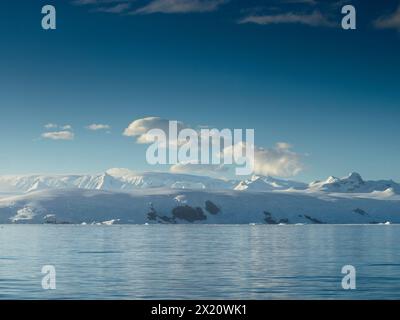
199,261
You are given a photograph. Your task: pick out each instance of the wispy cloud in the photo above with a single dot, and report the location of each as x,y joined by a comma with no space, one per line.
391,21
309,2
314,19
93,2
191,168
106,6
118,8
180,6
58,132
50,126
96,127
56,126
59,135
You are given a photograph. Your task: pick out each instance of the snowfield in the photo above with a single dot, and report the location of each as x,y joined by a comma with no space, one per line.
120,196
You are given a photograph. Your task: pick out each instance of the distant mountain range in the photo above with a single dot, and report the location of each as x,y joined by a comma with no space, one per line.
112,180
354,183
126,180
123,196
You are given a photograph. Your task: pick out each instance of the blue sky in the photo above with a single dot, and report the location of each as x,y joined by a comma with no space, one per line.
331,94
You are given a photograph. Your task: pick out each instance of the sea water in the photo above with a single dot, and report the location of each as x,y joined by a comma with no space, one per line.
199,261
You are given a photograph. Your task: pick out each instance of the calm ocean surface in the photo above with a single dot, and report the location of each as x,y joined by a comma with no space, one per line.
199,261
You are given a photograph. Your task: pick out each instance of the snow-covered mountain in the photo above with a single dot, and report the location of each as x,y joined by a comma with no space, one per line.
267,183
353,183
126,180
123,196
113,179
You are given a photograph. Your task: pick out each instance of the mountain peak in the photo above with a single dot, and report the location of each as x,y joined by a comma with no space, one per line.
355,176
331,179
118,172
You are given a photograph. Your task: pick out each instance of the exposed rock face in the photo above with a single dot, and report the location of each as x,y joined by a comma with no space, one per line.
313,219
152,215
165,219
270,220
360,211
212,208
188,213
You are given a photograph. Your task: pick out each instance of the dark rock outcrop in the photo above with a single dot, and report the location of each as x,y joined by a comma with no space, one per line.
152,215
270,220
189,213
313,219
360,212
165,219
212,208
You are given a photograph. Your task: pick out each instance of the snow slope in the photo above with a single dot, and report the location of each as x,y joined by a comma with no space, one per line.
122,196
193,206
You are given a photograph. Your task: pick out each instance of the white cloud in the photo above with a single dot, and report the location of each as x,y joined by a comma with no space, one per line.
50,126
278,161
55,126
140,127
315,19
283,145
206,169
59,135
96,127
180,6
389,22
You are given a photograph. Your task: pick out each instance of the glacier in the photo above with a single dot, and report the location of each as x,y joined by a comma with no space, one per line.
121,196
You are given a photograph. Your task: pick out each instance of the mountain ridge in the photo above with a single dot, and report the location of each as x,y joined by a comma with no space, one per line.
118,179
